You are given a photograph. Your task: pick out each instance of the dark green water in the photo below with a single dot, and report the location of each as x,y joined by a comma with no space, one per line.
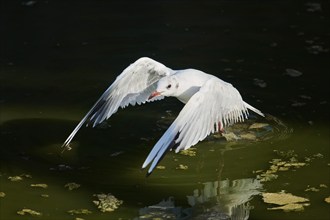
57,57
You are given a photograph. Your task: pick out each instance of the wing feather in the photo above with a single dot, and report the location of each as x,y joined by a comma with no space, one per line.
216,102
133,86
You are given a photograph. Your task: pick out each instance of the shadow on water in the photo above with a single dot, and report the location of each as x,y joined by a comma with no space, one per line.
39,144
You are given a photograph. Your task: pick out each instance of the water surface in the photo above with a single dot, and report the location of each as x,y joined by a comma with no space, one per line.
58,58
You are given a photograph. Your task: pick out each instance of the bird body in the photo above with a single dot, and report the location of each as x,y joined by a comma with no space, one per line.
210,104
193,80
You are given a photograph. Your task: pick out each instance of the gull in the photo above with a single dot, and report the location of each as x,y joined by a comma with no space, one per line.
211,104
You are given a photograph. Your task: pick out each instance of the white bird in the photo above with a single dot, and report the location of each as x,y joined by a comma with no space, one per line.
211,104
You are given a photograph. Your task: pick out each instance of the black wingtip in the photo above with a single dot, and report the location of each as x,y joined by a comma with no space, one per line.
148,174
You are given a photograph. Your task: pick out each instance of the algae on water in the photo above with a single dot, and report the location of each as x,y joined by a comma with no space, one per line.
107,202
29,212
286,201
182,167
79,212
160,167
15,178
258,125
189,152
71,186
39,185
327,200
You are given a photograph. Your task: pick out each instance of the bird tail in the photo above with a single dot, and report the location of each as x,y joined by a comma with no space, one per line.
254,109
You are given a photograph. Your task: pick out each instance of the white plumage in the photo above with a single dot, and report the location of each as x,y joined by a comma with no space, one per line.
211,104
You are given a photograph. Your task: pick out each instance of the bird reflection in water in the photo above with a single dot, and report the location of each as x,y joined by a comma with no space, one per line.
221,200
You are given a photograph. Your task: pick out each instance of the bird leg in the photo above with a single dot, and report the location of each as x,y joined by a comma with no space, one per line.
220,128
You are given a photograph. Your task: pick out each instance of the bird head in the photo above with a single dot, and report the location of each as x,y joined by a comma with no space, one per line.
166,86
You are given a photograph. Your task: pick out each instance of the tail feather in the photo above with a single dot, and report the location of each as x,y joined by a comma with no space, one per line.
254,109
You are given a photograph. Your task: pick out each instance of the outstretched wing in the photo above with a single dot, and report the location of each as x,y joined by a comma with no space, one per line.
133,86
215,105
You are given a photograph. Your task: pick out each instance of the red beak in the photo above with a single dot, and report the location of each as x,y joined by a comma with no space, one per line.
154,94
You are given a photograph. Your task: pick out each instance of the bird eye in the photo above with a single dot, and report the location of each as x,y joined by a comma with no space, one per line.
169,86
